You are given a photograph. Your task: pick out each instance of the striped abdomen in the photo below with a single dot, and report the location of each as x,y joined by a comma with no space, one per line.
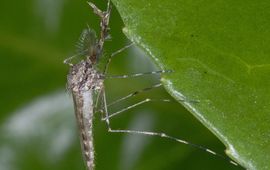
83,104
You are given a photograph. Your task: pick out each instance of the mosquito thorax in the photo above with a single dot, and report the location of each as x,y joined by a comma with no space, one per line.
83,76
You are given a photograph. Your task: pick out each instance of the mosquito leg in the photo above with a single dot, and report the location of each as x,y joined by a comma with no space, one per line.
108,116
138,74
135,93
144,101
160,134
113,54
106,109
97,102
131,95
163,135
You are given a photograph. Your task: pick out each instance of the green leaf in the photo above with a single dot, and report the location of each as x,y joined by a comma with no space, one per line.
219,52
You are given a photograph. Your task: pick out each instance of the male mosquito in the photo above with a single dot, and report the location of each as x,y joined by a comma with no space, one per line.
86,83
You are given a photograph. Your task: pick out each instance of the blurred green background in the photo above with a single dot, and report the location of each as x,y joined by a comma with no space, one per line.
38,128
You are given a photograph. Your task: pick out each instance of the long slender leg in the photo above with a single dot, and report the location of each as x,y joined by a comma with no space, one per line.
134,105
138,74
113,54
164,135
129,95
108,116
139,103
106,109
135,93
160,134
97,102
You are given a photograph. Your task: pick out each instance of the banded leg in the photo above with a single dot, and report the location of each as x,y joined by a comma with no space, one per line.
159,134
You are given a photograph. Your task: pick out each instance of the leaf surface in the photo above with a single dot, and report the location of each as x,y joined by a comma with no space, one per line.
219,52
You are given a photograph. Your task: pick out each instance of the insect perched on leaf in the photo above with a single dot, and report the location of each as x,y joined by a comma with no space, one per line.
86,83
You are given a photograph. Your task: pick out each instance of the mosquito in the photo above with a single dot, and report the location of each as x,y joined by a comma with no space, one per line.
85,81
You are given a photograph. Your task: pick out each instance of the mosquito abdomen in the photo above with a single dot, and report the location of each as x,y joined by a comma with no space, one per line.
83,103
